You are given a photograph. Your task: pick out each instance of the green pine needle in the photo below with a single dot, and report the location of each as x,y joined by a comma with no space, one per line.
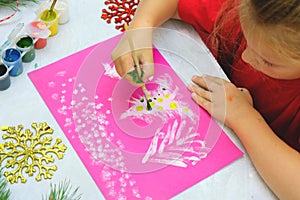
4,191
12,3
63,191
135,75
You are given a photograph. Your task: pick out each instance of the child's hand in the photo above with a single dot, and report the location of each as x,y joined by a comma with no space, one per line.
223,100
135,44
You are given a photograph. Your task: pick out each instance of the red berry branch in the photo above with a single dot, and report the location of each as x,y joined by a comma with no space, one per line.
121,11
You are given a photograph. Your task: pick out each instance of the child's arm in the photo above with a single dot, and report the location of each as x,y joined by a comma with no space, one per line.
152,13
149,14
277,163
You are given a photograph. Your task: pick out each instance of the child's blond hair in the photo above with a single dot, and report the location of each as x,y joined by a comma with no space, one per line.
276,21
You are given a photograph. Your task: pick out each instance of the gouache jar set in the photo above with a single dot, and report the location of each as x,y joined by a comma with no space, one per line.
24,46
37,33
13,58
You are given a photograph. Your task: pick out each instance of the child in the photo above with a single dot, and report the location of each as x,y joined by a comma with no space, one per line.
257,43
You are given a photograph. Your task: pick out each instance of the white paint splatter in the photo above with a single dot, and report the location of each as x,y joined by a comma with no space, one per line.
110,71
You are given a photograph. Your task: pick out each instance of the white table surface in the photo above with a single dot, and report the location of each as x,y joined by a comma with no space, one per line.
21,103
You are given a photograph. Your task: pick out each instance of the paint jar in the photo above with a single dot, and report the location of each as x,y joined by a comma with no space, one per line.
40,43
4,77
62,9
39,32
51,20
25,44
12,58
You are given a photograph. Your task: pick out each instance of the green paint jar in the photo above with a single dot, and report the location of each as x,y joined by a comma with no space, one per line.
25,45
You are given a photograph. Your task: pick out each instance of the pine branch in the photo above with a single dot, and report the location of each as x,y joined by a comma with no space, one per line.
63,191
4,191
12,3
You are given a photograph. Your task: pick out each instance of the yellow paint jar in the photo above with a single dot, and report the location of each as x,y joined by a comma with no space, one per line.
51,20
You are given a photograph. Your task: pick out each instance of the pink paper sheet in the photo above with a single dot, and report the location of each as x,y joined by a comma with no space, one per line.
130,153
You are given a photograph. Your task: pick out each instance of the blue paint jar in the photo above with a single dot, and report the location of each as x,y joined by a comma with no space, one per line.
13,57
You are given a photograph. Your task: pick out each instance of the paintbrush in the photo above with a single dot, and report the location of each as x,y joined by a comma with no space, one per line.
137,73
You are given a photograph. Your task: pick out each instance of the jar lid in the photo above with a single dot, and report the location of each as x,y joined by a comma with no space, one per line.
38,29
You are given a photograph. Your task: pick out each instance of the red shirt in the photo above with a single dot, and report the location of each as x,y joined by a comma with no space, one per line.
278,101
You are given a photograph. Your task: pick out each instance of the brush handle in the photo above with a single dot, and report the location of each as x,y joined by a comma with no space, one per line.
12,36
15,31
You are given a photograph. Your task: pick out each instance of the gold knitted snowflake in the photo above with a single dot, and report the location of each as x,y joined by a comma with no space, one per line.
30,153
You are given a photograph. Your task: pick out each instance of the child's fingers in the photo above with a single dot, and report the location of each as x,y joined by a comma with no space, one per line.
199,80
210,83
124,65
148,71
146,60
203,102
203,93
